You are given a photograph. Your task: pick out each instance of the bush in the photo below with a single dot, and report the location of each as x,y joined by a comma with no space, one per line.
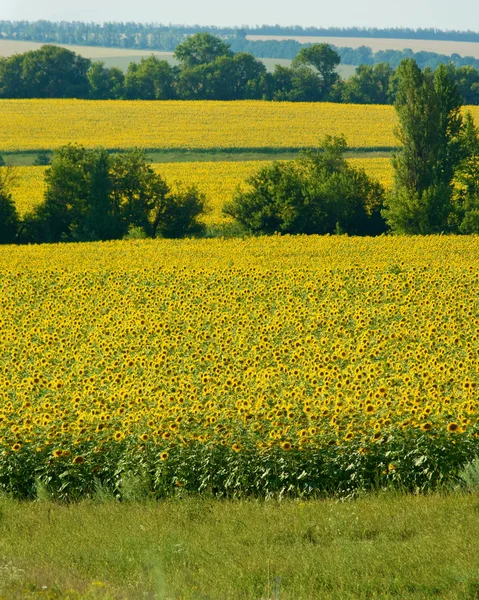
9,219
135,233
181,212
91,195
319,193
42,159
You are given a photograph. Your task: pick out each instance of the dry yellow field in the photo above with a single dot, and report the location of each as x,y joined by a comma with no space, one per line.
217,180
11,47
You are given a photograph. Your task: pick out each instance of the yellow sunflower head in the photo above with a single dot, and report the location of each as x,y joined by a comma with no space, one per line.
452,427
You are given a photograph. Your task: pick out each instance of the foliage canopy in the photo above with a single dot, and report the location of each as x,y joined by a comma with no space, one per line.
318,193
91,195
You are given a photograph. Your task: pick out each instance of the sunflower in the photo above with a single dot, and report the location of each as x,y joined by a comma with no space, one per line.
426,426
144,437
452,427
164,455
57,453
286,446
236,447
78,460
16,447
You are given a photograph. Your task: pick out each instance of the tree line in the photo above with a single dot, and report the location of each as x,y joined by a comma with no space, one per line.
91,195
288,49
165,38
132,35
208,69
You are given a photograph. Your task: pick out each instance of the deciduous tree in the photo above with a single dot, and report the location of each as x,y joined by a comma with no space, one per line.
428,107
317,193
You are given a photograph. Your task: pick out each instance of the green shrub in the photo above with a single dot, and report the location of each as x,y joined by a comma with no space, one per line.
319,193
9,218
91,195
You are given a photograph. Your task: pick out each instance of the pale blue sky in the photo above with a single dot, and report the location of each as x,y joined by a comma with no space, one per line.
443,14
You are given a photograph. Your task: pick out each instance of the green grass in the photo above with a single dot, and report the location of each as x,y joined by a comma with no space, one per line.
25,159
21,159
378,546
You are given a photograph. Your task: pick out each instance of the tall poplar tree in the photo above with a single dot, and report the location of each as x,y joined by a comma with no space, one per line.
428,106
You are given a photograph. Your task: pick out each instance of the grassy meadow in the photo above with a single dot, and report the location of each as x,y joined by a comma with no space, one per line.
383,546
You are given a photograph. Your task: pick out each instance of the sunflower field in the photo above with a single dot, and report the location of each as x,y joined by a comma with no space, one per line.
295,366
217,180
49,124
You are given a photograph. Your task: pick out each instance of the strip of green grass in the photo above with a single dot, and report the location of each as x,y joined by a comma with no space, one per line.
26,159
379,546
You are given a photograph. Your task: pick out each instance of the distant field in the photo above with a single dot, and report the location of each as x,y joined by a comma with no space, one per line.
112,57
122,57
28,125
9,47
461,48
32,125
